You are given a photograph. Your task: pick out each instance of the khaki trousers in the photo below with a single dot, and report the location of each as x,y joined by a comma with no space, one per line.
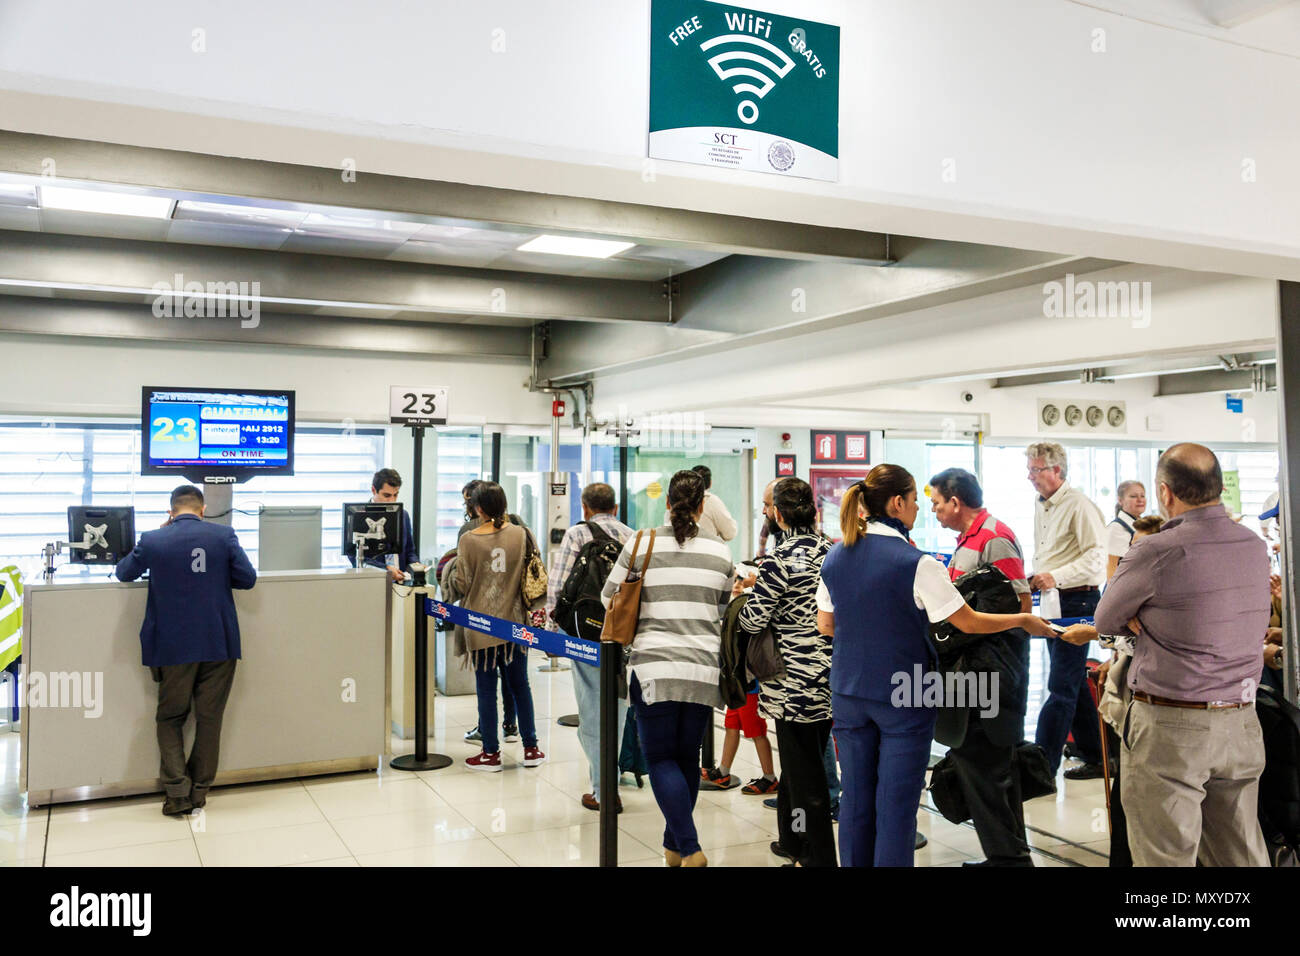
1191,786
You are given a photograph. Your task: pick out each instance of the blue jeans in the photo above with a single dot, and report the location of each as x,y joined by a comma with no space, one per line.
1069,705
515,674
509,714
671,733
586,687
884,752
832,776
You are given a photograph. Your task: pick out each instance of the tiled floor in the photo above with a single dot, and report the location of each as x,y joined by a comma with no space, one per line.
455,817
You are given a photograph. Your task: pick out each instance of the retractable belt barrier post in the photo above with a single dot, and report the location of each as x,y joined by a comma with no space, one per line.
610,654
559,644
421,759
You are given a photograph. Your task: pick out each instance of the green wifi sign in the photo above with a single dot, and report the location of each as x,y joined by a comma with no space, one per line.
743,89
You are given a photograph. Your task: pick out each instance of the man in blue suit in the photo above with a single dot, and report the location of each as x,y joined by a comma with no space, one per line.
190,637
384,489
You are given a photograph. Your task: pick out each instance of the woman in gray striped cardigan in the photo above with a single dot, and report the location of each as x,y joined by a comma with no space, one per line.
673,668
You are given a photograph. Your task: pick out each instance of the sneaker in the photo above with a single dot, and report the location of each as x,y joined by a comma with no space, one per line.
759,786
715,779
772,803
533,757
780,851
473,736
510,732
490,763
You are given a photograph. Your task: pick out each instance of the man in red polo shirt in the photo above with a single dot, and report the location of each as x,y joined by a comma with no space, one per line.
985,759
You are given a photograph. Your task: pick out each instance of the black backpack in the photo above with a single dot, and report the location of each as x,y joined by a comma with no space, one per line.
578,609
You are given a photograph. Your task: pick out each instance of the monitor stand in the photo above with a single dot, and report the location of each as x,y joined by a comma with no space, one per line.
218,500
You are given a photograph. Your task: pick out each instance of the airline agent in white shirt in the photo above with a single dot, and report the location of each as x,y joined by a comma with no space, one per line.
1131,502
877,598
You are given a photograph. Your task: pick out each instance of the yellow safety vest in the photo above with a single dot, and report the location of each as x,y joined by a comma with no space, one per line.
11,615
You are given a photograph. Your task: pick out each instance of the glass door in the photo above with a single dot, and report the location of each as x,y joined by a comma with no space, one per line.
650,471
924,458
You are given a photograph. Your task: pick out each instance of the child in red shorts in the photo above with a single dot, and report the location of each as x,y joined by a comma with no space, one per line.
747,720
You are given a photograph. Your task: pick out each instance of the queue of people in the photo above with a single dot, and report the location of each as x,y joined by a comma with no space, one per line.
855,624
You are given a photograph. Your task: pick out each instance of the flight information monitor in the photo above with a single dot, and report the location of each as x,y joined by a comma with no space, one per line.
217,434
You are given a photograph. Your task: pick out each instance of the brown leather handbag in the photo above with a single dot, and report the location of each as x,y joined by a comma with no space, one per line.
625,604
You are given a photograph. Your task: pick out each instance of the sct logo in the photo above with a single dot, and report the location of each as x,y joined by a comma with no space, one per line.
523,634
726,139
441,610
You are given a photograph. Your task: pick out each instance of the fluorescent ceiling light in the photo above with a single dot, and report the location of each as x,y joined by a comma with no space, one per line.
571,246
105,202
17,194
238,214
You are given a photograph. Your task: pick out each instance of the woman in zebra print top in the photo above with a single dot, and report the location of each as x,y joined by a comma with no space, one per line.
785,597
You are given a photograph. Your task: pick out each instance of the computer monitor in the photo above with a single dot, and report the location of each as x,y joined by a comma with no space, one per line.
222,435
382,523
110,532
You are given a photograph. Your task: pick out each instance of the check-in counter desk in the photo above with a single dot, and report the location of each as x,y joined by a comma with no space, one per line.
311,692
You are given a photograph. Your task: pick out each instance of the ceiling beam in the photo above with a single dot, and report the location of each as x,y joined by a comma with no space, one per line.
740,302
98,320
1198,383
376,288
1108,370
204,177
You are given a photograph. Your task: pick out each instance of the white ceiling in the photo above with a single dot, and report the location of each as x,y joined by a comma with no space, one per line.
1272,25
325,230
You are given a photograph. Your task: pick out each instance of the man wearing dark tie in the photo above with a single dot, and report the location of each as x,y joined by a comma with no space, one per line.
190,637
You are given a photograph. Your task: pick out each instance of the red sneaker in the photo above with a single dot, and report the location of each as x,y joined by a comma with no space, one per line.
533,757
490,763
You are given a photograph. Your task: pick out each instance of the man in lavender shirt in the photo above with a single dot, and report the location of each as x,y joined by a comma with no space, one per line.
1192,749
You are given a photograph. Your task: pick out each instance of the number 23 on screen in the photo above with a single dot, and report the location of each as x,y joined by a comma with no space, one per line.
163,429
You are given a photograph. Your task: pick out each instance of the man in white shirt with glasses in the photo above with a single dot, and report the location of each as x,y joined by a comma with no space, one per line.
1069,562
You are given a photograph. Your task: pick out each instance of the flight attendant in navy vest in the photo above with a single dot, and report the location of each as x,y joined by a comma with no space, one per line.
877,597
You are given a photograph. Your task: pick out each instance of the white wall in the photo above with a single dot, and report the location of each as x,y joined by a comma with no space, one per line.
1136,152
1011,414
103,377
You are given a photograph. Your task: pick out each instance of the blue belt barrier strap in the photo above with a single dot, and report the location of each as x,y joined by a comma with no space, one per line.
553,643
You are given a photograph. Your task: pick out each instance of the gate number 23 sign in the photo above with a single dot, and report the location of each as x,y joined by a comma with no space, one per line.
417,406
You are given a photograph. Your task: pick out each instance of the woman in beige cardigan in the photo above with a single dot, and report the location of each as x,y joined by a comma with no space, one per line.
490,562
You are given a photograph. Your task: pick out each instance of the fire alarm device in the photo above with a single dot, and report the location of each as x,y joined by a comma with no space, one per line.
557,408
